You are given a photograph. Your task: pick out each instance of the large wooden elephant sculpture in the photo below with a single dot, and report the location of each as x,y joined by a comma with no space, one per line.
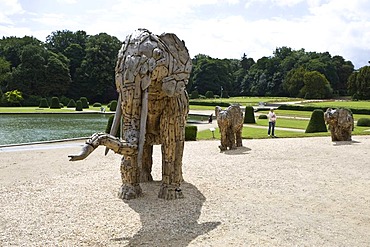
151,74
340,123
230,123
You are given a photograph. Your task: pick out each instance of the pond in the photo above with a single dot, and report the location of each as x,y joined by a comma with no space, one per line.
26,128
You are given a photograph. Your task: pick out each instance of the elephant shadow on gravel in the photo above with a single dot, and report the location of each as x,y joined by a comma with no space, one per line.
168,223
237,151
343,143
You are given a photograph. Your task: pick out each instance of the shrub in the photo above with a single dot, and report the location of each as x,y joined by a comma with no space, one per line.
85,103
71,104
109,126
64,100
113,105
43,103
97,104
54,104
249,115
363,122
317,122
209,95
194,95
78,105
225,95
262,116
191,133
61,105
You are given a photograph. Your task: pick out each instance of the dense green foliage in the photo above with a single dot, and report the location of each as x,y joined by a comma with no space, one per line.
262,116
359,84
363,122
191,133
54,104
249,115
75,64
317,122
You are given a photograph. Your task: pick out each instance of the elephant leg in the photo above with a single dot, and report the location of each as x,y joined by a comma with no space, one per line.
130,188
231,139
147,162
224,140
238,136
172,139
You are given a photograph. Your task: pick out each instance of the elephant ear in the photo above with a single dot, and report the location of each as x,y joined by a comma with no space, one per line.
177,48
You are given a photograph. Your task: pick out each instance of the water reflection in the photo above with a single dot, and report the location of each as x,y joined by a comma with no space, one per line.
25,128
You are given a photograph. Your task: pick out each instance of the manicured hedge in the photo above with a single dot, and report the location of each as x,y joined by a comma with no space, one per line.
44,103
55,104
85,103
79,105
109,126
317,122
191,133
363,122
113,105
249,115
71,103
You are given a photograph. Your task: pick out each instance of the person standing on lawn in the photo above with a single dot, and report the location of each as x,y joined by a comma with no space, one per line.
272,120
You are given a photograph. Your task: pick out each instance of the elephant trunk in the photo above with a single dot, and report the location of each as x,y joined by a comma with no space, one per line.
116,120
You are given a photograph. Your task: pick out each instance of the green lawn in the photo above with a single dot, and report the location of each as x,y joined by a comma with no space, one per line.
249,100
345,104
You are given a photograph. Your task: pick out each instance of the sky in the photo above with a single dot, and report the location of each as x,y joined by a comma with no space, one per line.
217,28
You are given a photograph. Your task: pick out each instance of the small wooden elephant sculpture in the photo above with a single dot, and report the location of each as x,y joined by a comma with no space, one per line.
151,74
230,123
340,123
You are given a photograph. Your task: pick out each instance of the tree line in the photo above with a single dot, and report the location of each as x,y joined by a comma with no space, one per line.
71,65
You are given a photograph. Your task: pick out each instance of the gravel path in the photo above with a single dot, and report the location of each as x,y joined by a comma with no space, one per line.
271,192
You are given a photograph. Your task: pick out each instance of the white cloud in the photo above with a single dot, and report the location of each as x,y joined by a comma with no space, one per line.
8,8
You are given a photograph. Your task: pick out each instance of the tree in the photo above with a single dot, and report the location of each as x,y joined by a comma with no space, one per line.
95,78
5,73
13,97
57,77
359,84
294,82
316,86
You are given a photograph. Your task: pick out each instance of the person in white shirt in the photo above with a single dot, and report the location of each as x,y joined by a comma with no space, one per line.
272,120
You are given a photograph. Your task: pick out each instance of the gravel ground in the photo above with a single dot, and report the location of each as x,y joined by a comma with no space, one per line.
272,192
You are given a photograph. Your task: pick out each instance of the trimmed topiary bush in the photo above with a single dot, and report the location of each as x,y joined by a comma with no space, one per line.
249,115
363,122
54,104
209,95
44,103
79,105
113,105
191,133
317,122
194,94
71,104
97,104
85,103
109,126
262,116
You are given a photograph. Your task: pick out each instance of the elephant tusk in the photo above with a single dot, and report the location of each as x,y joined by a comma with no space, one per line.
143,119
